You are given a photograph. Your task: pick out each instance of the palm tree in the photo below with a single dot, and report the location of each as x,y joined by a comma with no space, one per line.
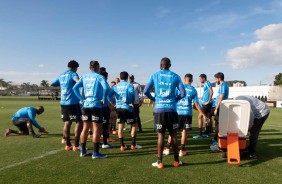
44,83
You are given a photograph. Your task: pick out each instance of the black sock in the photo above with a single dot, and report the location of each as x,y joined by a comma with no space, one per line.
105,139
96,147
14,132
182,147
160,160
121,141
176,157
168,145
76,141
68,143
200,131
83,146
133,141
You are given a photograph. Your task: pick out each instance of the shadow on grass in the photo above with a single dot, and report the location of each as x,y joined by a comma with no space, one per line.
268,149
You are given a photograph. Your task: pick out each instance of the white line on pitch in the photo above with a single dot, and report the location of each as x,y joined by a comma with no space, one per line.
273,126
31,159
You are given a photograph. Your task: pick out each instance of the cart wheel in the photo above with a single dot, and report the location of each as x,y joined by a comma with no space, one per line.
224,154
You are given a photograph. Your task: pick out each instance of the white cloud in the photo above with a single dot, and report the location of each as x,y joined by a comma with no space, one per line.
202,48
162,12
267,50
41,66
135,66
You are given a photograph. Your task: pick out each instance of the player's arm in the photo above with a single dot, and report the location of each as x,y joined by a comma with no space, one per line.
201,111
105,89
218,103
211,93
55,83
76,90
110,97
131,93
147,89
181,89
31,116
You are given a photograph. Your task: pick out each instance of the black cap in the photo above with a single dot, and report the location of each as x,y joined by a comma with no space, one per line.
131,76
73,64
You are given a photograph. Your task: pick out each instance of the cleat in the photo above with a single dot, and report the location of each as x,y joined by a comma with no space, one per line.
68,148
122,148
252,155
75,148
106,146
197,136
177,164
97,155
166,151
214,141
205,136
135,147
8,132
214,147
83,153
182,153
158,165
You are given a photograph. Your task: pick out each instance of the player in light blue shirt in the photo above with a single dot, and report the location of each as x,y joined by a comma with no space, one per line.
165,83
70,110
184,111
94,90
223,93
124,100
206,105
24,119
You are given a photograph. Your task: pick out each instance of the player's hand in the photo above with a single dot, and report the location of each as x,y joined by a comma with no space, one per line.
206,103
102,102
215,112
207,120
131,105
42,130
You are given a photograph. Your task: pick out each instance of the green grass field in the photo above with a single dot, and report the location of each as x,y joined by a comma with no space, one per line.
24,159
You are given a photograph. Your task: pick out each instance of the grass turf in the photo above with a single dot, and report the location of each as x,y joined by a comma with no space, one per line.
28,160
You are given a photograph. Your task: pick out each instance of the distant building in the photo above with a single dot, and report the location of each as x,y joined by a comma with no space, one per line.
238,84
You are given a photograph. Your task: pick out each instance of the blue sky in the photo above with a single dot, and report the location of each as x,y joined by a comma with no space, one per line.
241,38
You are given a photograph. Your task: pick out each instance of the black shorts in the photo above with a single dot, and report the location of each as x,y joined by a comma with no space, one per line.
184,121
166,120
71,112
21,123
106,115
125,116
216,116
207,109
92,115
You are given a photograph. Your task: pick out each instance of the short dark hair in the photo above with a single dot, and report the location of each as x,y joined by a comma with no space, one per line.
73,64
102,69
123,75
131,76
165,63
219,75
189,76
203,76
94,64
104,74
